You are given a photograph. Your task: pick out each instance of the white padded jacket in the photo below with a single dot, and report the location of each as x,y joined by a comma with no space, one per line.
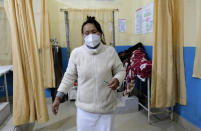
91,67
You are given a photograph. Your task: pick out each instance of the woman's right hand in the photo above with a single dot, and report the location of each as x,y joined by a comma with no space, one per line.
55,105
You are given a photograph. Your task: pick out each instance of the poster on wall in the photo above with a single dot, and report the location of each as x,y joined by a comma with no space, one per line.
144,19
138,21
122,25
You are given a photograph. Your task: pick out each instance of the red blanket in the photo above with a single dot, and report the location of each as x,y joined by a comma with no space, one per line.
138,66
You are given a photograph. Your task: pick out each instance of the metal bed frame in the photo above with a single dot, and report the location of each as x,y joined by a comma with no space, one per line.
148,108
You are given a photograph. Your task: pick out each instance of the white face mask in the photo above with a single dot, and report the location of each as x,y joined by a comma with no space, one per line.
92,40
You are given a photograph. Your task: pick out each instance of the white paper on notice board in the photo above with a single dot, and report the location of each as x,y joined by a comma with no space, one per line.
122,25
138,21
144,19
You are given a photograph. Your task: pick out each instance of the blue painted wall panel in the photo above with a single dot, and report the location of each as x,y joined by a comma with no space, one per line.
192,111
64,58
47,92
9,77
121,48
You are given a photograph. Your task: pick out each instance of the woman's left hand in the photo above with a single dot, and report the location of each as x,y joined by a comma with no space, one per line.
113,84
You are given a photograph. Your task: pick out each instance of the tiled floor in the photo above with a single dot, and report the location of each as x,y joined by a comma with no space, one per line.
65,120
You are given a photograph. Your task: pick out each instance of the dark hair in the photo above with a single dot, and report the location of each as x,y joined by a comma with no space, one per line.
92,20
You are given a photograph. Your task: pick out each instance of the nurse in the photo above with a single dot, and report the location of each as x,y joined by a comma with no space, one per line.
99,71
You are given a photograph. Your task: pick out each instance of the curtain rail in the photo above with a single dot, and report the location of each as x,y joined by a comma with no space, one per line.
63,10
